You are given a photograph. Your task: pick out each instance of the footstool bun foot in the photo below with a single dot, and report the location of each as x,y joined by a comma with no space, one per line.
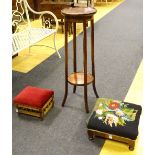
91,135
131,148
91,139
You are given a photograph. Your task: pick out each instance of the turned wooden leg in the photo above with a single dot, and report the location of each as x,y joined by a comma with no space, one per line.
66,63
131,145
74,52
85,65
91,135
92,57
65,96
41,114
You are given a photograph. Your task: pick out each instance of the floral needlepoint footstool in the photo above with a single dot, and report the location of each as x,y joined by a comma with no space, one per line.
113,119
34,101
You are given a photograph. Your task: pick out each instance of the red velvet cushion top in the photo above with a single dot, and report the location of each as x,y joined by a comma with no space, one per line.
33,97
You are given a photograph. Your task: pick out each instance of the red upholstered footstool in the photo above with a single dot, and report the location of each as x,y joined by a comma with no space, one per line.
34,101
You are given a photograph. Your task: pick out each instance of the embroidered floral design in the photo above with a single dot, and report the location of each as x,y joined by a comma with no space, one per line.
99,111
114,105
110,119
114,112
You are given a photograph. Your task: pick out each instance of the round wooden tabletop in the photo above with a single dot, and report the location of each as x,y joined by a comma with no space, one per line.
78,11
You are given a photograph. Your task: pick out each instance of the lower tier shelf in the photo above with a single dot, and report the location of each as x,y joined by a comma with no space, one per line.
78,78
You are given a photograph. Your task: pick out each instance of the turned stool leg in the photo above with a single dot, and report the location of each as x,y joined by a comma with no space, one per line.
131,145
91,135
66,62
85,64
92,57
74,52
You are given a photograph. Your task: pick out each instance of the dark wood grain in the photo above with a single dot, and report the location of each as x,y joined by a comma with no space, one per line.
78,78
